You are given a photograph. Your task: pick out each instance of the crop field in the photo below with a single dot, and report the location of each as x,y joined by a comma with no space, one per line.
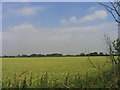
47,71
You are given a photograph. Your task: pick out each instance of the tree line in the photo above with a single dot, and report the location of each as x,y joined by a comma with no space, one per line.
60,55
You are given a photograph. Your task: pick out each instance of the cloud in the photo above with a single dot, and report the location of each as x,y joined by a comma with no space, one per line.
28,11
100,14
19,32
0,37
73,19
23,28
90,29
92,8
30,32
63,21
26,27
26,38
23,11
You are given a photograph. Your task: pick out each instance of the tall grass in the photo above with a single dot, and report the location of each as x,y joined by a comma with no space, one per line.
57,73
105,79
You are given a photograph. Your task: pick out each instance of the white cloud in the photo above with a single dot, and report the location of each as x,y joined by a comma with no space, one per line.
100,14
29,28
27,11
63,21
73,19
24,11
23,28
20,32
30,39
92,8
99,28
0,37
30,32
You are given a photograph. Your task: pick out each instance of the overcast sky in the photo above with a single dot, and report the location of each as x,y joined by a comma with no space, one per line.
67,28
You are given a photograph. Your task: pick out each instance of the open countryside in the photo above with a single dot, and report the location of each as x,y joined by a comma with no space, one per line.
57,68
60,45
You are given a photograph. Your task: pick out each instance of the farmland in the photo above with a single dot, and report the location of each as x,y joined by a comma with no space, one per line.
55,69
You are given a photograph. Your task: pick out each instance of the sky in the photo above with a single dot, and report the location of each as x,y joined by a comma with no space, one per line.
57,0
55,27
0,29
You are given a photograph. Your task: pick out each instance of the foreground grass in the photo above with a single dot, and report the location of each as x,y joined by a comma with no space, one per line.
60,72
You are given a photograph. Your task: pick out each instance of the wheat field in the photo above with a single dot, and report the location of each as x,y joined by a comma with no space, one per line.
20,70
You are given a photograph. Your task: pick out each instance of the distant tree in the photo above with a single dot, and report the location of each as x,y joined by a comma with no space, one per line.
69,55
33,55
101,54
5,56
39,55
82,54
93,54
18,55
24,55
54,55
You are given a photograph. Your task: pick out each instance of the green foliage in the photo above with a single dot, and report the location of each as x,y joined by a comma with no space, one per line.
116,45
